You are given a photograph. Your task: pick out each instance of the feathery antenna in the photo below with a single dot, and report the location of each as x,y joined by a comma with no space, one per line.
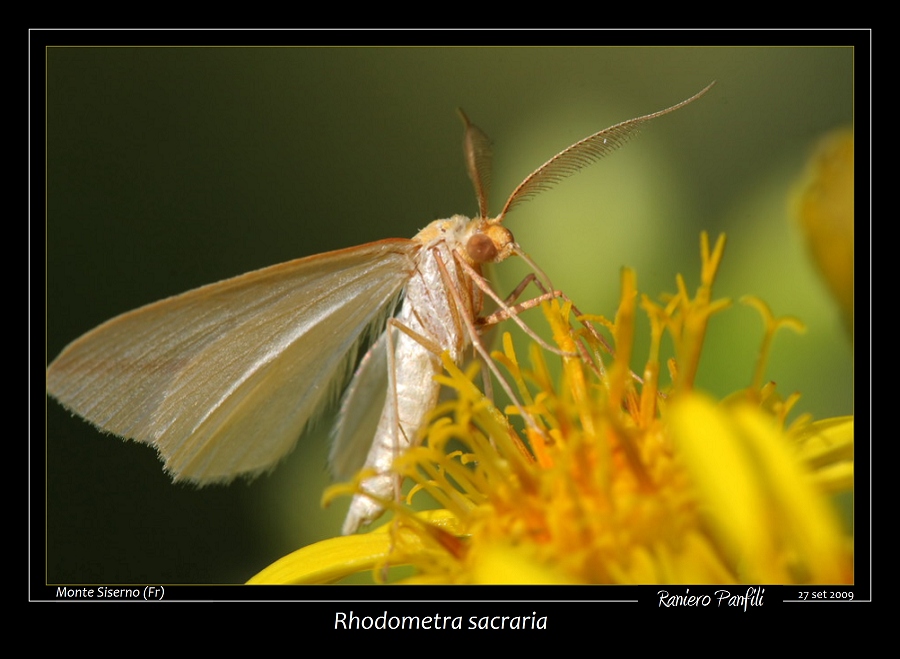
477,150
579,155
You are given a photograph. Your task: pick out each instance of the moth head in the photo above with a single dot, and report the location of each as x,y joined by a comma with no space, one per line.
490,243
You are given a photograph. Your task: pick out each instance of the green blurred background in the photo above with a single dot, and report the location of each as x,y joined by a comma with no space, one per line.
175,167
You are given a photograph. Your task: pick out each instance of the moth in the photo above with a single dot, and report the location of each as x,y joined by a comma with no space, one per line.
222,380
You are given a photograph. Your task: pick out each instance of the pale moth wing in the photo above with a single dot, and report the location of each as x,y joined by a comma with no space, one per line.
223,379
360,411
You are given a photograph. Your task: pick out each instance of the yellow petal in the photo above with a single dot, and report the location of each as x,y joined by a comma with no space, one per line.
760,501
328,560
500,563
824,209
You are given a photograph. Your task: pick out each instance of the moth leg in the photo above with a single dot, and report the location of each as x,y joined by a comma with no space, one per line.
515,308
485,286
512,308
475,336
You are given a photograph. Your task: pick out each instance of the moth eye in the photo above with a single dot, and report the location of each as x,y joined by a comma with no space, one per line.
481,249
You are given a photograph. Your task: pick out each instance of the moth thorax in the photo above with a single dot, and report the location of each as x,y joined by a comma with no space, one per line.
492,244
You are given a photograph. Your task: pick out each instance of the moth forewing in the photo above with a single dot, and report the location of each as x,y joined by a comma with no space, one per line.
222,380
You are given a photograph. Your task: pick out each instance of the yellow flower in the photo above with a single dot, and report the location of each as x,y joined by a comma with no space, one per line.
612,479
823,205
